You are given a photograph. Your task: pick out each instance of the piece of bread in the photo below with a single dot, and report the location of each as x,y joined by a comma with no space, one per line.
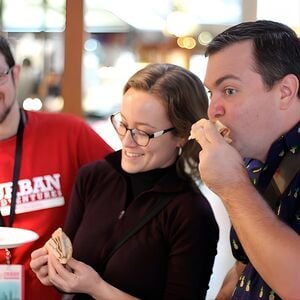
222,129
60,246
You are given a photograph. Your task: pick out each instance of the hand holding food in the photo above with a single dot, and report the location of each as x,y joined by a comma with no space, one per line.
222,129
60,246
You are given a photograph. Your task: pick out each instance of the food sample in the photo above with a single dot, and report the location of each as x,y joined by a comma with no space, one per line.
222,129
60,246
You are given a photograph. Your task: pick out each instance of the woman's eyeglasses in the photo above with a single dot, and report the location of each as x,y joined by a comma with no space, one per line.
140,137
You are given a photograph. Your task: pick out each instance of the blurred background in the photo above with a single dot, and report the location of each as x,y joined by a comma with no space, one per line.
76,56
113,39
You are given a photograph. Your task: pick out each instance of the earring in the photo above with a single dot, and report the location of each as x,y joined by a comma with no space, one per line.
179,151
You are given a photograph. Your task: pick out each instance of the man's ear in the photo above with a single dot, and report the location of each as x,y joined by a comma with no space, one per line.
16,72
289,86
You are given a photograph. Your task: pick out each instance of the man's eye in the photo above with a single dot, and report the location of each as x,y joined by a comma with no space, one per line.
229,91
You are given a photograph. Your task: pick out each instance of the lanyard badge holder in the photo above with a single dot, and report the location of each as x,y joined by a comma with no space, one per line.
12,275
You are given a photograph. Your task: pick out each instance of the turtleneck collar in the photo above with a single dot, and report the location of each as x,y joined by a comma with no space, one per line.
140,182
164,180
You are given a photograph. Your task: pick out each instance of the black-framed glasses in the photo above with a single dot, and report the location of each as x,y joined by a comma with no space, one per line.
140,137
4,75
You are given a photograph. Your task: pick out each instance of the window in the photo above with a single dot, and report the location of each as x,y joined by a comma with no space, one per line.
33,15
287,12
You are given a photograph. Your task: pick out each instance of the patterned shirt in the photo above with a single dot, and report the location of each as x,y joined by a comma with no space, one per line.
250,284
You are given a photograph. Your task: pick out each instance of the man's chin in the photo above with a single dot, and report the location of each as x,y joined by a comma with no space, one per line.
4,111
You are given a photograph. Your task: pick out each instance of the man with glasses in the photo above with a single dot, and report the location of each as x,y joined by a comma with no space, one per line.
40,154
3,76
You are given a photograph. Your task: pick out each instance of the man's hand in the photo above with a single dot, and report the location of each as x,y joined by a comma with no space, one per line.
230,281
221,167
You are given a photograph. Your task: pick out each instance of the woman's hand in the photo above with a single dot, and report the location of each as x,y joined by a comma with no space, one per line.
39,265
74,277
77,277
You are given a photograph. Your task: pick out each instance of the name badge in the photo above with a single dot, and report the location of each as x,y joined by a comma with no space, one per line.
12,279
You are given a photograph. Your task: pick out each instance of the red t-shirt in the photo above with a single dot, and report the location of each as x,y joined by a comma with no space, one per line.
55,146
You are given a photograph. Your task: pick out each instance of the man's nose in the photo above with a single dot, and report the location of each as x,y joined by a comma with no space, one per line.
215,109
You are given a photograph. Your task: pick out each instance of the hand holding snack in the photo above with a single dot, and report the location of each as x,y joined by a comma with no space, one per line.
39,265
222,129
220,163
60,246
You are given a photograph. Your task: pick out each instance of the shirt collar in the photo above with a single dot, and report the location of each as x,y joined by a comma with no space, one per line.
260,173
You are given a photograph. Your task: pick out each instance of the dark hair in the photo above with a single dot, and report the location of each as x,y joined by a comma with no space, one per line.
6,52
186,101
276,48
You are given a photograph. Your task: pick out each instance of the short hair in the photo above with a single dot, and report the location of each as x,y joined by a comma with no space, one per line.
5,50
186,100
276,48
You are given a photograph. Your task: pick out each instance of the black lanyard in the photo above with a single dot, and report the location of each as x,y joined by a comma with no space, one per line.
16,174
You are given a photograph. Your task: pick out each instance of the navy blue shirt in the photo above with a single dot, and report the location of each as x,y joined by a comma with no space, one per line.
251,285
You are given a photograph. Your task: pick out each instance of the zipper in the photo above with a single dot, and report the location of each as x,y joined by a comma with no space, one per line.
122,213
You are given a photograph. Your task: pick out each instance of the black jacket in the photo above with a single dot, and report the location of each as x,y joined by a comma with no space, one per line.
170,258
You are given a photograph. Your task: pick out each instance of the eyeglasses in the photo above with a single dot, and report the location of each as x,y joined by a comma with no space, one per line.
4,75
140,137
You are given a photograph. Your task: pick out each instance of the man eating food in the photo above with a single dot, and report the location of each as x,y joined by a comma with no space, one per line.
222,129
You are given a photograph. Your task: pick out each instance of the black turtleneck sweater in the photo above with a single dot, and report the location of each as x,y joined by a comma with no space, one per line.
140,182
170,258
